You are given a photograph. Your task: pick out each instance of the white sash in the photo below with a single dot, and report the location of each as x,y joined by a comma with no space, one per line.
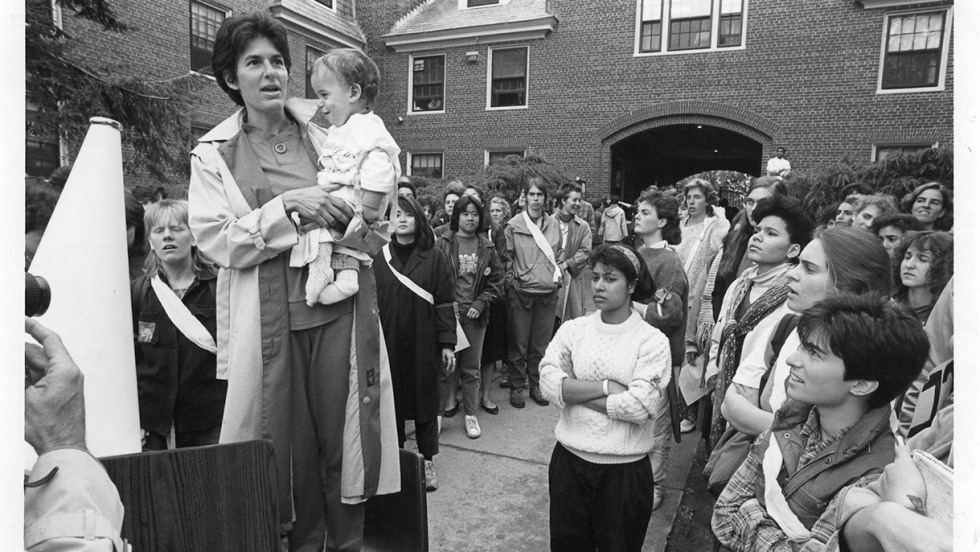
776,504
177,312
543,245
693,252
461,341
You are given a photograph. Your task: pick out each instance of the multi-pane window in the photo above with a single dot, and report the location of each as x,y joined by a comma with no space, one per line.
913,50
885,151
428,165
205,21
651,15
428,83
327,3
508,77
312,54
730,24
500,155
684,25
690,24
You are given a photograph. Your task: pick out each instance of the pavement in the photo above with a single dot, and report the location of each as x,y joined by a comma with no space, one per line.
493,491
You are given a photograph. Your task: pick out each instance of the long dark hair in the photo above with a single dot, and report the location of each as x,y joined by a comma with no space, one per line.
461,205
424,236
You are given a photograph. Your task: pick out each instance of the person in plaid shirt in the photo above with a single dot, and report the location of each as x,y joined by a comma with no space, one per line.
857,354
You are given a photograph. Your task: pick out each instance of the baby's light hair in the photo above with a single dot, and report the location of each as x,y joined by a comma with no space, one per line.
355,67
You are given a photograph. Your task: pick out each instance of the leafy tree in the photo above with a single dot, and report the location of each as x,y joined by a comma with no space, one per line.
68,91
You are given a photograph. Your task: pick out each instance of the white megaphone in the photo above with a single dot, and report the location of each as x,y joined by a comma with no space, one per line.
83,256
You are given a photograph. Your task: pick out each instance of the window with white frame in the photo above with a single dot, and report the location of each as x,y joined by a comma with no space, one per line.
205,21
312,54
508,77
477,3
428,80
687,25
428,165
883,151
914,50
495,156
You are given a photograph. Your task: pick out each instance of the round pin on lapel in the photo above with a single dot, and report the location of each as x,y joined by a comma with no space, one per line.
280,148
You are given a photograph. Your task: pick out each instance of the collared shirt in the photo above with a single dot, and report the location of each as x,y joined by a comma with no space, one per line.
662,244
742,524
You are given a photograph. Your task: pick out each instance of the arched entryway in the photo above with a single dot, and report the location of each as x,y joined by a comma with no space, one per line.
667,142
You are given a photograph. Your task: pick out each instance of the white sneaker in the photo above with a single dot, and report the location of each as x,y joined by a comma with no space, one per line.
687,426
431,481
473,427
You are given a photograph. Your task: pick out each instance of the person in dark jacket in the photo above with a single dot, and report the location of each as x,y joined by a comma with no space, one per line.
857,353
479,281
174,324
416,284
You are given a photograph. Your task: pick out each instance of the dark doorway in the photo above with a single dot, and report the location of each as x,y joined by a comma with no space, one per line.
666,154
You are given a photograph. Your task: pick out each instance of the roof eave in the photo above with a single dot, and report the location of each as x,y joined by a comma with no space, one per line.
468,36
316,30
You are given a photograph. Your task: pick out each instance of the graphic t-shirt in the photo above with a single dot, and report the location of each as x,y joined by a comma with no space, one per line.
467,277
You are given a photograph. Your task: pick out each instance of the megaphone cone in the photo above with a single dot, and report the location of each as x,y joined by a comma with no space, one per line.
83,255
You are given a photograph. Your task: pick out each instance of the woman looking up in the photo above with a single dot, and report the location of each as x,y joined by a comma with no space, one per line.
415,295
607,372
290,382
922,265
837,260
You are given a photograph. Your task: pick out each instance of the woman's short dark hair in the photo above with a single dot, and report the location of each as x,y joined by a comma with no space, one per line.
461,205
737,239
664,202
903,221
234,35
940,244
856,261
406,184
424,236
798,223
877,339
622,257
944,222
564,191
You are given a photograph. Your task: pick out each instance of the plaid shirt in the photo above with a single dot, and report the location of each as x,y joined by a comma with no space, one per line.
742,524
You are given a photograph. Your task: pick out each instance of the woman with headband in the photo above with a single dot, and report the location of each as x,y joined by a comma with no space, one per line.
608,373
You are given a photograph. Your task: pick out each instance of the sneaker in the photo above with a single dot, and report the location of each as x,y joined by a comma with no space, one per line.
537,397
517,398
658,496
472,427
431,481
687,426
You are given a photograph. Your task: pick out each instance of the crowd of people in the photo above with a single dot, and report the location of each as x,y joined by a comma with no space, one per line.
302,294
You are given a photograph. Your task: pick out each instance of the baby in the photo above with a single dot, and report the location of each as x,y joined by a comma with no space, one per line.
359,163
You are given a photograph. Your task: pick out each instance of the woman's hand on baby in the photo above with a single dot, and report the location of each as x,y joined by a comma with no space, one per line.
317,208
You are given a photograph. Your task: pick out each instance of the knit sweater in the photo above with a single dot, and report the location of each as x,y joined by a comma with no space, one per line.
632,353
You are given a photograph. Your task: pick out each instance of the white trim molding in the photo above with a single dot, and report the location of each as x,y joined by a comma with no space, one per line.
469,36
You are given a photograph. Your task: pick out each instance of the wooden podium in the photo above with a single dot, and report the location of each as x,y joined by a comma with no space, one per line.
216,498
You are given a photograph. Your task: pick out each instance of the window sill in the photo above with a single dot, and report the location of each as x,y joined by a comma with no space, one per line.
507,108
637,54
910,90
432,112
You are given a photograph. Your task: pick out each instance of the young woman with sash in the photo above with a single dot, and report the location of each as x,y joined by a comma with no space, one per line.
416,284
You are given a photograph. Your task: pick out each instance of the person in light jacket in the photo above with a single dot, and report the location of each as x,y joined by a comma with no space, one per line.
612,228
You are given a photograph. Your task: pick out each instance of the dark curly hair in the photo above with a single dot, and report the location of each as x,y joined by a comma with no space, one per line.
665,203
235,35
940,244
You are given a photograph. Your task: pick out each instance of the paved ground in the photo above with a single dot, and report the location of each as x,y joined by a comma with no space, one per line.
493,491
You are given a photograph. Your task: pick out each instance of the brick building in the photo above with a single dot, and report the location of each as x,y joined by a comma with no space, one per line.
644,91
635,93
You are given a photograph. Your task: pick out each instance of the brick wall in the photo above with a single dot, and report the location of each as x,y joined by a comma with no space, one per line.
810,68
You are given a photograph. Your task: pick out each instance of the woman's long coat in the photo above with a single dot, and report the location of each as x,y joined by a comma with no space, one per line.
414,330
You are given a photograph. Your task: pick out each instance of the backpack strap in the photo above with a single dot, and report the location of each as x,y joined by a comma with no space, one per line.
786,326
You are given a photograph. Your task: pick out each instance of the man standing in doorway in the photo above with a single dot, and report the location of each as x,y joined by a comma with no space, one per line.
533,277
779,165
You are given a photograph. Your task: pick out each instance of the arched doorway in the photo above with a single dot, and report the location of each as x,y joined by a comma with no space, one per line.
663,143
665,154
